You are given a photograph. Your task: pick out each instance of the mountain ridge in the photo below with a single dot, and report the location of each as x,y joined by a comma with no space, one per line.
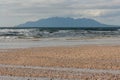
64,22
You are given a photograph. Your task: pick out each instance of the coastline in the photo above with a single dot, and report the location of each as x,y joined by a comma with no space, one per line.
24,59
52,42
84,56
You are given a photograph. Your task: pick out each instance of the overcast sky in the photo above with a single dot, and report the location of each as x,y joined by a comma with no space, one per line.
13,12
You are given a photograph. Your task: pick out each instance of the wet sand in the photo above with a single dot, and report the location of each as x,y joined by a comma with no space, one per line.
49,42
104,60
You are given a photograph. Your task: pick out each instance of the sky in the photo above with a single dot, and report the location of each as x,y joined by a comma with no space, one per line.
14,12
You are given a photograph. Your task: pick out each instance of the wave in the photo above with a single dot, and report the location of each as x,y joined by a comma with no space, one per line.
55,33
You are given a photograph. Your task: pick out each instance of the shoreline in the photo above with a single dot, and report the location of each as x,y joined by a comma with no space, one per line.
84,56
65,60
54,42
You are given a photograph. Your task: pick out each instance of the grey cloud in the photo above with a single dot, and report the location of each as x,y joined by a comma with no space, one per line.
111,13
37,9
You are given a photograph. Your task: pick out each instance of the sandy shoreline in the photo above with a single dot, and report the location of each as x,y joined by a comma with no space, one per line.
102,56
99,57
54,42
91,56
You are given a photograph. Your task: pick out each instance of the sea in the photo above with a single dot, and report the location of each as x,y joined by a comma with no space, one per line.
38,33
19,37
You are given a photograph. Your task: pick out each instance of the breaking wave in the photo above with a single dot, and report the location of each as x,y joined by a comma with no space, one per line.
55,33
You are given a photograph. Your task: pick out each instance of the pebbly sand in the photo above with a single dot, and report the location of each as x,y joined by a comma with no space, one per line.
86,62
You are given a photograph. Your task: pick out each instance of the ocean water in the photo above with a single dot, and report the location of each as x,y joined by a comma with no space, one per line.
44,37
31,33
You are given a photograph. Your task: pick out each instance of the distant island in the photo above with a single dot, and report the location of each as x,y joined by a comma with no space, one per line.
64,22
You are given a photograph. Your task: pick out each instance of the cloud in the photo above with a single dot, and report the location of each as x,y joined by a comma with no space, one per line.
24,10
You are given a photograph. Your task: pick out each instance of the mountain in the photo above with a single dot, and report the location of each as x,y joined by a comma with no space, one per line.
64,22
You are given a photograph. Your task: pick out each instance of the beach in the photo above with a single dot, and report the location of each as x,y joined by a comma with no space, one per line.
89,59
59,39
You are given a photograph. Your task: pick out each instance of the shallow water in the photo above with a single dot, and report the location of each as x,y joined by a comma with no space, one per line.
10,44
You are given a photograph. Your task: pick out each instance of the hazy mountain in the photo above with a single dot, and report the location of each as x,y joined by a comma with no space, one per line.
64,22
